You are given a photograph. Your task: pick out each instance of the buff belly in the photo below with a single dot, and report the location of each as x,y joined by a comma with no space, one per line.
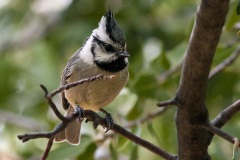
97,94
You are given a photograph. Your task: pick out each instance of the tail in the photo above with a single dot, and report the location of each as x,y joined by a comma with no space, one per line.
71,133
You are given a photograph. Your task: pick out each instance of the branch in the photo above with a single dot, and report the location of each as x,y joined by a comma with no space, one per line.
226,114
21,121
74,84
163,77
122,131
167,103
90,116
225,63
49,96
201,49
146,118
48,148
219,132
49,135
191,94
32,31
220,120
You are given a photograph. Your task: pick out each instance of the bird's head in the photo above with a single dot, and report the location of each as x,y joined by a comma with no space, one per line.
109,45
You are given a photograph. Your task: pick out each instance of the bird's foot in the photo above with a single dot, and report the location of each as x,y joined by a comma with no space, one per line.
79,112
108,119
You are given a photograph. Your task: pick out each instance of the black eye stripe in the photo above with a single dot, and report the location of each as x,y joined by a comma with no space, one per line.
107,47
99,41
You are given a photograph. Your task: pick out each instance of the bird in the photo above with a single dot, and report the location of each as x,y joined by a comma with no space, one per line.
104,52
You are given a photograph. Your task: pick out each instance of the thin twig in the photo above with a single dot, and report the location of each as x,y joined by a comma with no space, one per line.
91,116
146,118
225,63
62,125
74,84
231,42
21,121
48,95
167,103
149,146
52,105
226,114
163,77
48,148
219,132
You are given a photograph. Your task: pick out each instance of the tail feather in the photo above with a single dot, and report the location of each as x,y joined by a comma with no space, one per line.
60,137
71,133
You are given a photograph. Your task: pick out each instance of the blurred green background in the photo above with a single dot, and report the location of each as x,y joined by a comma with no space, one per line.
37,37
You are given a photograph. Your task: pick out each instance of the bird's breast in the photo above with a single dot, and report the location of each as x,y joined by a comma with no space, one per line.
97,94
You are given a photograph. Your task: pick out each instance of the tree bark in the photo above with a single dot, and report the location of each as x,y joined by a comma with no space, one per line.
193,141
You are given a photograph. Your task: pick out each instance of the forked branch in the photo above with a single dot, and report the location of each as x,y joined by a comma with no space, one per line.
226,114
90,116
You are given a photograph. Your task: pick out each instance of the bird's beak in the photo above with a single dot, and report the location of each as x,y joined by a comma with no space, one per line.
124,54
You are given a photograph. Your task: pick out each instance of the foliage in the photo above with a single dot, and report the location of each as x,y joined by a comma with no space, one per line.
36,41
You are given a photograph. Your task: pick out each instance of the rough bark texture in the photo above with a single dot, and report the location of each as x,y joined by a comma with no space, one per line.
193,141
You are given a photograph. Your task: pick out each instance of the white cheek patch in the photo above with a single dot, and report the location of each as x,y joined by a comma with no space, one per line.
104,57
85,53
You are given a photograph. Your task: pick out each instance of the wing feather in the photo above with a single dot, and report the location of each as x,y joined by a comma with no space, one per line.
67,72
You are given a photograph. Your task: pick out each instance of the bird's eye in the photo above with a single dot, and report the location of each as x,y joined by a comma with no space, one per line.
109,48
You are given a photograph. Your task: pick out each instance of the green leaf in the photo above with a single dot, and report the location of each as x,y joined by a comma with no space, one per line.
164,61
176,55
160,64
222,53
122,143
136,111
146,85
124,102
67,151
134,153
152,131
90,150
238,7
221,94
114,153
232,18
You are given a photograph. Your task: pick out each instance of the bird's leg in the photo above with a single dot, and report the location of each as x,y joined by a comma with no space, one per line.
79,111
108,119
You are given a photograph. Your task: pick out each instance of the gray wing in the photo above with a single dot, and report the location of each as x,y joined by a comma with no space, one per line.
66,75
71,133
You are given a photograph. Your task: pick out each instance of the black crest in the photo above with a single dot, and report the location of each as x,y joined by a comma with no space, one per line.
113,30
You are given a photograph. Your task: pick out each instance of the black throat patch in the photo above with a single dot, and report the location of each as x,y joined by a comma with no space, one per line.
114,66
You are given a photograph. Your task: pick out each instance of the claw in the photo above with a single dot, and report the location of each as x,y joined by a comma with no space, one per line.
109,121
95,123
87,120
